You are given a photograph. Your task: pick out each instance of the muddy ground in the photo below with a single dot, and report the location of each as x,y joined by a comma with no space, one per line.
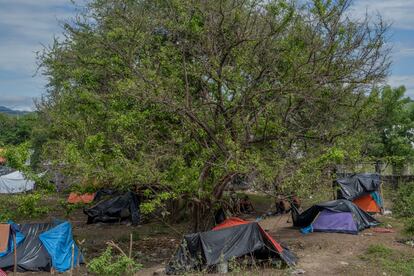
318,253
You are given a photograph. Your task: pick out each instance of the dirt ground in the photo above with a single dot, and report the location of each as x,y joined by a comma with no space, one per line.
318,253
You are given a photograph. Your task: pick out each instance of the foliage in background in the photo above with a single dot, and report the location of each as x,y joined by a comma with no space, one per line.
108,264
403,201
15,130
393,136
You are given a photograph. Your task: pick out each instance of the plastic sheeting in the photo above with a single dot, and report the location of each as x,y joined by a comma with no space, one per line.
31,254
121,207
14,183
202,250
58,242
81,198
362,219
356,185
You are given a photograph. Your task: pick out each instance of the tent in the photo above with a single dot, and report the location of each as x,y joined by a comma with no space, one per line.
15,182
115,209
81,198
231,239
363,189
41,246
341,216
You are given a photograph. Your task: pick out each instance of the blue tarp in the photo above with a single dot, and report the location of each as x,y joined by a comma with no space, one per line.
376,196
58,242
19,238
307,229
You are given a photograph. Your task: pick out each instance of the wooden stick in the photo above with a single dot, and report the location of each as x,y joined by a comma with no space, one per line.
130,245
73,259
15,253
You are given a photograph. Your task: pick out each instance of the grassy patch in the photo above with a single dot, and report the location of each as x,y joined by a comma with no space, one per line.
409,227
392,261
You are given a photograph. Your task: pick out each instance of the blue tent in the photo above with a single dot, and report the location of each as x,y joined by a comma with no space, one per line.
58,242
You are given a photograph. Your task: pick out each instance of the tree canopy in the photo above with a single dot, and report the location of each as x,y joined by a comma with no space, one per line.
188,95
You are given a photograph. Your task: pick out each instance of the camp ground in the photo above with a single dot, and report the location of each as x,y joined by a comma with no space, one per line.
206,137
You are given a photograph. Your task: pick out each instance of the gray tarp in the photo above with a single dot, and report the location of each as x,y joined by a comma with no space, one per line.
14,183
356,185
31,254
200,251
362,219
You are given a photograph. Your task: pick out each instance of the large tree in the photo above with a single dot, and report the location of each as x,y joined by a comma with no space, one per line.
392,138
188,94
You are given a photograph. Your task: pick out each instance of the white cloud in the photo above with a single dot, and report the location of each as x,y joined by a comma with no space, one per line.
26,25
17,102
398,12
406,80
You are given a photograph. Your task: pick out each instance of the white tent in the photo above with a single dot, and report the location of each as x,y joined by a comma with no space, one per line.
14,183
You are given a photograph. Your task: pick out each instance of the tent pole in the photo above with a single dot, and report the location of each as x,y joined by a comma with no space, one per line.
73,259
15,253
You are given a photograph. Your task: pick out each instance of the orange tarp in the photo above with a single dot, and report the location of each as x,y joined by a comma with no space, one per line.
77,198
4,236
367,203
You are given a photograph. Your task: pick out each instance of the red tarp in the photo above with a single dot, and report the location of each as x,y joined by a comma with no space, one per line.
77,198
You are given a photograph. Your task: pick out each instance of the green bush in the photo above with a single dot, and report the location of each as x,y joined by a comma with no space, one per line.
409,227
107,264
30,206
404,201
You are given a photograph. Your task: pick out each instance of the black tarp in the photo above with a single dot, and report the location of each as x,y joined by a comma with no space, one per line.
356,185
31,255
363,220
115,209
199,251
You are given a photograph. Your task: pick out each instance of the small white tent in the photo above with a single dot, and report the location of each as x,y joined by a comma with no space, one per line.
14,183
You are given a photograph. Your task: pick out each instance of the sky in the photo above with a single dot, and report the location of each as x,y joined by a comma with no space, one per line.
28,25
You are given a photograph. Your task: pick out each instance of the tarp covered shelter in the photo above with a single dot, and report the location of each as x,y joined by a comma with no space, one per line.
39,248
341,216
363,189
231,239
115,209
15,182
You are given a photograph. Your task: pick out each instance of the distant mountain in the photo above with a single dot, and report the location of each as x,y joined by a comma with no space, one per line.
9,111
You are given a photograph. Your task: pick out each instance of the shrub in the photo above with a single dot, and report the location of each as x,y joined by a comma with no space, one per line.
404,201
409,227
107,264
29,205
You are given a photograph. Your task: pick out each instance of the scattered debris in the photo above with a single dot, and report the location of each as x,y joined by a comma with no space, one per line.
409,242
160,271
387,213
343,263
298,271
383,230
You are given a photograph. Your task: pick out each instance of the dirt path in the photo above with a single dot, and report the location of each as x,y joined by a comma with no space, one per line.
332,253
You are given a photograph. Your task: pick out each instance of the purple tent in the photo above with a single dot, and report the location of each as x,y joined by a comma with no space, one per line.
329,221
